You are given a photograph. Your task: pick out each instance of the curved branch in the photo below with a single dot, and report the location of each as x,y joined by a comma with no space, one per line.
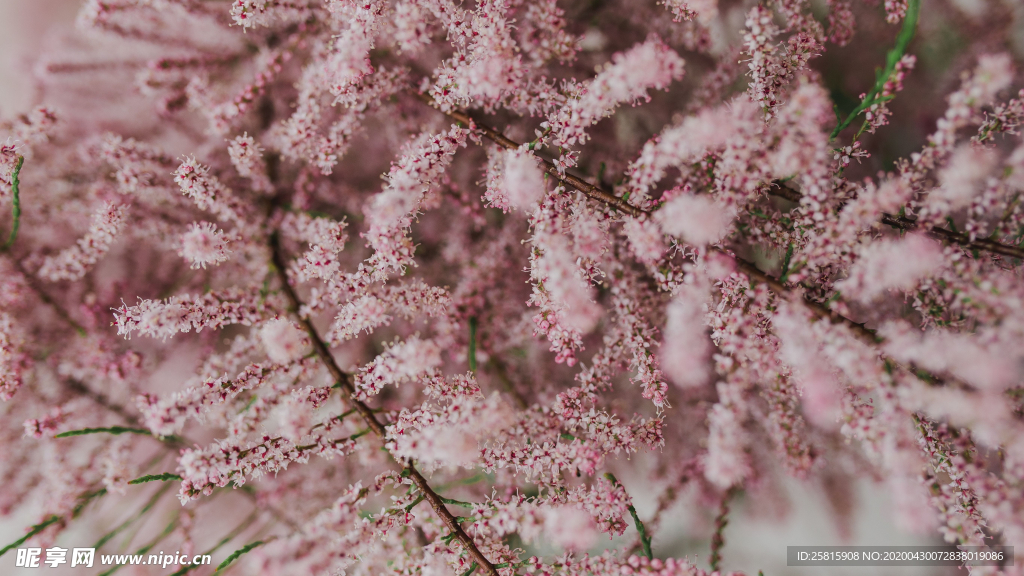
749,268
346,383
591,191
782,190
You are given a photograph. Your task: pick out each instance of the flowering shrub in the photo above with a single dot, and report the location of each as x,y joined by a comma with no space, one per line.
697,246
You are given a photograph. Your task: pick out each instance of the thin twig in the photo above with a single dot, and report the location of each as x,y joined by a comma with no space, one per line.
345,381
665,501
472,344
601,195
15,201
892,58
588,189
782,190
645,538
721,521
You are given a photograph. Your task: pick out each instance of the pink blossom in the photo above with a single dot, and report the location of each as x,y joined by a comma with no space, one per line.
451,430
247,158
184,313
168,416
821,391
683,143
697,219
13,359
402,361
73,263
523,180
685,350
645,240
204,244
207,191
283,340
727,462
368,312
703,10
891,264
626,79
772,67
570,528
981,360
556,268
392,209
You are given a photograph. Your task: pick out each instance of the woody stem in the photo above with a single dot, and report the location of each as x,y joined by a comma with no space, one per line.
345,381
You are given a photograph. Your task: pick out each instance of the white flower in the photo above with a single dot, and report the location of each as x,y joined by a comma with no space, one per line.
283,340
204,244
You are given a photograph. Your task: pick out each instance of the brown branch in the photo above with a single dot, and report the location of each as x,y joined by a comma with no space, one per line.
346,382
591,191
601,195
817,309
782,190
721,521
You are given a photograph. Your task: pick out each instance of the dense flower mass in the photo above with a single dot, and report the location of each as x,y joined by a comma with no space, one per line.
487,258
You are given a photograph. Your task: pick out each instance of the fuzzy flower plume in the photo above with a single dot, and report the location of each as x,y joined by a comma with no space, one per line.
891,264
204,244
13,360
207,191
570,528
247,158
523,182
283,340
406,300
960,180
728,462
390,212
686,347
703,10
683,143
163,319
557,269
697,219
451,428
401,362
627,78
799,348
73,263
982,360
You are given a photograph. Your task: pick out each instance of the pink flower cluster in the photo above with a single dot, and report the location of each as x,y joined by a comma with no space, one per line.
429,242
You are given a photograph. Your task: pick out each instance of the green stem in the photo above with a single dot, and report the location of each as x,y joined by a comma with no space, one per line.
645,539
456,502
472,344
234,555
84,500
149,505
149,546
786,263
32,532
228,538
16,201
155,478
115,430
413,504
891,59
